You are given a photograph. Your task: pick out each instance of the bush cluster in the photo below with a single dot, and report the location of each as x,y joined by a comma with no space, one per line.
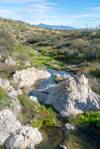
36,114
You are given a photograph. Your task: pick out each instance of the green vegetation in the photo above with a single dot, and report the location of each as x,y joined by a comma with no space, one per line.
27,53
4,100
77,51
37,115
96,73
57,49
87,118
7,42
1,147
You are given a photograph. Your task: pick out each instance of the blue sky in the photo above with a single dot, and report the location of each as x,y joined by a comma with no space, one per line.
79,13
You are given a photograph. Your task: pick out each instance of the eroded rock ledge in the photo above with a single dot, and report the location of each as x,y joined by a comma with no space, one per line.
14,135
28,77
8,124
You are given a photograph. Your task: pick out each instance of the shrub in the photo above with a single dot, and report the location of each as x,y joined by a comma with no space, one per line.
1,147
36,59
79,43
86,118
96,73
7,42
4,100
36,114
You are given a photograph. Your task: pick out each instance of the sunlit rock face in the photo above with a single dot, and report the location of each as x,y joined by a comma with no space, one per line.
73,96
5,84
25,137
10,61
8,124
29,76
14,135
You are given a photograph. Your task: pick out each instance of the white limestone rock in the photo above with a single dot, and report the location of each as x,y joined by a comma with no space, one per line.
69,126
27,64
11,92
5,84
62,146
8,124
10,61
33,98
24,137
29,76
73,96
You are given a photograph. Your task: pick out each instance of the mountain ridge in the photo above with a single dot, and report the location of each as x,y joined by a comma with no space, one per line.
56,27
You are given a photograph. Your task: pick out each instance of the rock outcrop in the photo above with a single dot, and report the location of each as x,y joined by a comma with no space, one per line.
8,124
70,97
10,62
11,92
24,137
5,84
69,126
73,96
29,76
13,135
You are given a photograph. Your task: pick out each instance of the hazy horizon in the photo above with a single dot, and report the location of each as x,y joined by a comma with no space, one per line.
81,14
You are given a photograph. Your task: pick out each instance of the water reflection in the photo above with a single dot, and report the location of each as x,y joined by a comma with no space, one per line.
83,138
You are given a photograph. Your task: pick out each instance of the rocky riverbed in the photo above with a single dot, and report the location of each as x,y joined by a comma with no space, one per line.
69,94
62,138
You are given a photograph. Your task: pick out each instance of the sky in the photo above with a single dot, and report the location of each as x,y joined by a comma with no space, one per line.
77,13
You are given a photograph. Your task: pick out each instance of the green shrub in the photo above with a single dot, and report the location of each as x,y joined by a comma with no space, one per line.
86,118
2,93
79,43
7,42
4,100
46,117
36,114
1,147
36,59
96,73
28,108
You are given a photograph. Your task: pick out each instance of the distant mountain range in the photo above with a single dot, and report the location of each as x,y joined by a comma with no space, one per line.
55,27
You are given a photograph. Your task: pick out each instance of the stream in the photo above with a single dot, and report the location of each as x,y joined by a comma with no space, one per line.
53,138
82,138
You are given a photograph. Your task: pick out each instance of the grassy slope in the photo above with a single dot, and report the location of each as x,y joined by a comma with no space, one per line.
77,51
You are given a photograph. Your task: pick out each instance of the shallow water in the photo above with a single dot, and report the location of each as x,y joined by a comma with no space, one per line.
84,138
52,137
43,87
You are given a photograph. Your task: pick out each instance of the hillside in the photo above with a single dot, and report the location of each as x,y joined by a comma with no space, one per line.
76,50
50,85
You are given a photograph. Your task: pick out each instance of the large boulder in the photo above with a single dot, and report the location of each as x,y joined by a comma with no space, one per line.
29,76
73,96
8,124
25,137
13,135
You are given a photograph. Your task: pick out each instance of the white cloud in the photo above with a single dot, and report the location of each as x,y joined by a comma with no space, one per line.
42,11
33,8
22,1
7,13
